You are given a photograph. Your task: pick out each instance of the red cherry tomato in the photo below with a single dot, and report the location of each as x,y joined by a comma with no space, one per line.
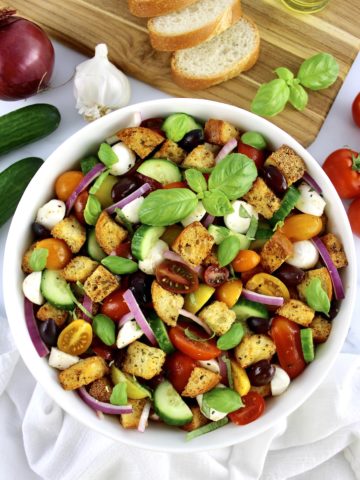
255,154
175,185
254,406
80,205
354,216
114,306
343,169
356,110
101,349
179,367
124,250
176,277
286,335
215,276
203,350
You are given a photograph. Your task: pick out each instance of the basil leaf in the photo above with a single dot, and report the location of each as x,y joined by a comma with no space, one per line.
119,265
228,249
319,71
271,98
254,139
243,213
120,218
119,394
316,297
195,180
252,228
192,336
218,233
177,125
166,207
107,155
92,210
104,328
231,338
234,175
216,203
38,259
99,182
223,400
285,74
88,164
298,97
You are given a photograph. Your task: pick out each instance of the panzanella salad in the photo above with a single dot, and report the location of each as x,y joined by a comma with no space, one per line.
182,274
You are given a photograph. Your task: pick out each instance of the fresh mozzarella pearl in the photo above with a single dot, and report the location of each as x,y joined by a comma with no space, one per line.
213,415
31,288
61,360
51,213
310,201
128,333
235,222
195,216
126,159
305,255
210,365
279,382
156,256
131,210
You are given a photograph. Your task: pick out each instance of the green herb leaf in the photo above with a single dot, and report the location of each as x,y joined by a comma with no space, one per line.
319,71
218,233
99,182
92,210
233,176
209,427
79,305
271,98
120,218
231,338
104,328
254,139
216,203
264,231
298,97
192,336
119,394
119,265
177,125
195,180
316,297
228,249
223,400
107,155
243,213
38,259
355,163
88,163
250,234
285,74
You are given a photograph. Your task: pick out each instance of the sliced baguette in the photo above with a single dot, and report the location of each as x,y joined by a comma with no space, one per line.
193,25
153,8
219,59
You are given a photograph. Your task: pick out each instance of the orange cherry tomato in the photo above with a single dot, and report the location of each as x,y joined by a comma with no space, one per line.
66,183
254,405
302,227
245,260
59,254
204,350
176,185
76,338
267,284
229,292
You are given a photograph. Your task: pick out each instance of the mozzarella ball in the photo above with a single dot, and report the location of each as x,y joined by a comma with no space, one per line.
51,213
132,209
305,255
195,216
235,222
31,288
128,333
279,382
61,360
211,365
126,159
155,257
310,201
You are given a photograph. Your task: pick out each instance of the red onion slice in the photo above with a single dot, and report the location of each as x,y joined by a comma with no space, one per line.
144,417
121,203
33,330
312,182
223,368
139,316
88,305
195,319
226,149
102,406
208,220
85,182
264,299
126,318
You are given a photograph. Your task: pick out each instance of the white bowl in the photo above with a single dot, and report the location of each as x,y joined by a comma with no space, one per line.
160,437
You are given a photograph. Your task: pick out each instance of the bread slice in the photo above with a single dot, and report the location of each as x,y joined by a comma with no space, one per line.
153,8
193,25
219,59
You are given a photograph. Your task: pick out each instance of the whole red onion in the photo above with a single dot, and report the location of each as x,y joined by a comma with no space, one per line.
26,57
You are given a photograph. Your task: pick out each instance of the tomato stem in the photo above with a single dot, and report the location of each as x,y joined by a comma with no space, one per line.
6,13
356,163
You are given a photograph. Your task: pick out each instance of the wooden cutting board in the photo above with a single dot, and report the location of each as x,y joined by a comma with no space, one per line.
286,40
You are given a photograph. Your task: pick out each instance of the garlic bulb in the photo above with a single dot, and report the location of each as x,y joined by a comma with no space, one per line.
99,87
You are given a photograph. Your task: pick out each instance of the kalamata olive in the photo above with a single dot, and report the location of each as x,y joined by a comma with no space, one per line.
215,276
334,310
154,184
290,275
118,357
258,324
140,284
261,373
154,124
48,332
39,230
274,179
192,139
123,188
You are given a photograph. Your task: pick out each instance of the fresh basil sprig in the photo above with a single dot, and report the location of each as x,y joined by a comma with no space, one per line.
318,72
216,203
223,400
92,210
231,338
38,259
195,180
119,265
104,328
316,297
298,96
119,394
271,98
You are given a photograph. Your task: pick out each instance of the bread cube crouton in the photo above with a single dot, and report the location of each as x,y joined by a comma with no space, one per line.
71,231
219,131
166,304
200,381
131,420
100,284
82,373
262,198
201,157
240,379
171,151
321,329
297,311
275,252
108,233
197,421
264,390
25,263
325,279
140,139
335,249
79,269
143,361
290,164
101,389
194,243
218,317
254,348
48,311
211,259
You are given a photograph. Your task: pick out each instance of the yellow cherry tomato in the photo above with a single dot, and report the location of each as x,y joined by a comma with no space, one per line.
171,233
194,301
66,183
240,378
301,227
59,254
104,192
76,338
267,284
245,260
229,292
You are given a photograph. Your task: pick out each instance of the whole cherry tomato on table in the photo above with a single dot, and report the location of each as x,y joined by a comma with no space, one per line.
354,216
254,405
356,110
343,169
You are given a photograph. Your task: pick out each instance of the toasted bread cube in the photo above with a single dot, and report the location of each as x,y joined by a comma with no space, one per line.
197,421
48,311
325,279
219,131
218,317
140,139
262,198
194,243
171,151
25,264
82,373
297,311
166,304
131,420
321,329
211,259
79,269
200,381
101,389
290,164
100,284
72,232
264,390
254,348
143,361
335,249
240,379
108,233
201,157
275,252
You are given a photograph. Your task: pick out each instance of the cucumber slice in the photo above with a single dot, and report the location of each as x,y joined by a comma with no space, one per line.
93,248
161,334
245,309
287,204
56,290
177,125
163,171
307,344
144,239
169,405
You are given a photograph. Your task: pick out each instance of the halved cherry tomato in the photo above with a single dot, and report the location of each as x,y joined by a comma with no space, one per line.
286,335
196,300
229,292
343,169
59,254
171,233
255,154
176,185
114,305
267,284
215,276
176,277
80,205
245,260
124,250
66,183
302,227
354,216
254,406
179,367
356,110
198,350
76,338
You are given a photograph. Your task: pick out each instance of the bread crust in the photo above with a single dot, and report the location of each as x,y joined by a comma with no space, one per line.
154,8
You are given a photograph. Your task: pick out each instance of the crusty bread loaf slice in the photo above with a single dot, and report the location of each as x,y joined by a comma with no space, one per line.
153,8
194,24
219,59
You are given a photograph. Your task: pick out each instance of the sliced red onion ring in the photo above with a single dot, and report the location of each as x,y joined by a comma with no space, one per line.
175,257
125,318
88,305
265,299
120,204
33,330
334,274
312,182
139,316
144,417
208,220
226,149
195,319
89,177
223,368
102,406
